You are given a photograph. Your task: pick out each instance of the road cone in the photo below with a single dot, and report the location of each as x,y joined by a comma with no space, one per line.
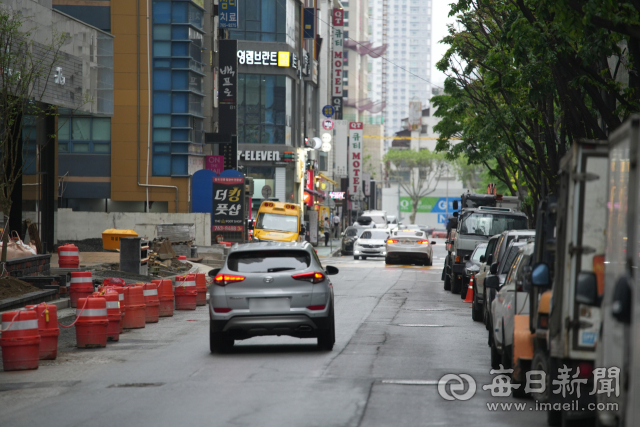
469,297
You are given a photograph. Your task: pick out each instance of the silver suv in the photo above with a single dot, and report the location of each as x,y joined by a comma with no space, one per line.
271,288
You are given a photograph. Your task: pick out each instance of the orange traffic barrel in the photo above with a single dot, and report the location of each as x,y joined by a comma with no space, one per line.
92,322
81,286
113,312
134,307
186,292
48,329
152,303
20,340
201,287
182,258
68,256
165,297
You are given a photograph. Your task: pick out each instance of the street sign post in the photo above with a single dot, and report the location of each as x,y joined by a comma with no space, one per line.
327,124
327,111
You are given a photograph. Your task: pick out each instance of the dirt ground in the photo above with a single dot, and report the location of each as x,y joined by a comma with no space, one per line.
11,287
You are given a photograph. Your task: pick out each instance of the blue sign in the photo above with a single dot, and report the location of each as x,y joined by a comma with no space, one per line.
228,14
442,218
327,111
309,30
441,205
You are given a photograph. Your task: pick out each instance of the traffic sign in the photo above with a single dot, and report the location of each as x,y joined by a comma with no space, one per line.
266,191
326,137
442,218
328,111
327,124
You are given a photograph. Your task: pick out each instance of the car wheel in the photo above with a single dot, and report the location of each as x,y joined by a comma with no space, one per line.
447,283
506,352
495,355
540,362
485,310
327,337
356,257
430,261
364,257
476,308
218,343
463,289
455,285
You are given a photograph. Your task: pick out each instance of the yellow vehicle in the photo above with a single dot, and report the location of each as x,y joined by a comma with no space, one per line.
278,222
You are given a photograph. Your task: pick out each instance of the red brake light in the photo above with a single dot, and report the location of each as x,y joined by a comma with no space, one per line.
316,307
458,258
392,241
424,242
221,310
313,277
225,279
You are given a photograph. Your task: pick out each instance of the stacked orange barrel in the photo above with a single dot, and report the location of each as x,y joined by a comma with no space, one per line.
81,286
20,340
201,287
92,322
48,329
110,295
134,310
186,292
118,286
152,303
165,297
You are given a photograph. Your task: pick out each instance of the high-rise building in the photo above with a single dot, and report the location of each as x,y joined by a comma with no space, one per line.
356,59
408,55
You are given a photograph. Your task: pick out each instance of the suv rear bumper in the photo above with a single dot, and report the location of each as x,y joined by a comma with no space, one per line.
295,325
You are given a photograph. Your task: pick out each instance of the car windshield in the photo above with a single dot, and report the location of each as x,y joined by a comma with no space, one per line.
479,252
489,224
268,221
351,232
378,220
375,235
510,257
268,261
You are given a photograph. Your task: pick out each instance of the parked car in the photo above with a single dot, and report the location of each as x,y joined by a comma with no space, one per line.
365,222
378,217
409,247
349,236
511,300
271,288
477,312
371,243
472,263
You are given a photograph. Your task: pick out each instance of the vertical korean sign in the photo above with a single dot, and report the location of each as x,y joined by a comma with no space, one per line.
355,158
228,14
228,87
337,62
228,198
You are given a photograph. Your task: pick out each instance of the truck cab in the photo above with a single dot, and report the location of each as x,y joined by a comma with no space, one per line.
277,221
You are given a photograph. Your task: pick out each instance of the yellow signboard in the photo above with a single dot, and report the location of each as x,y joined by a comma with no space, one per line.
284,59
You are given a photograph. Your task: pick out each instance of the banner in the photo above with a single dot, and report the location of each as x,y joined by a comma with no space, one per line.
215,164
337,62
228,14
228,199
228,87
355,158
429,204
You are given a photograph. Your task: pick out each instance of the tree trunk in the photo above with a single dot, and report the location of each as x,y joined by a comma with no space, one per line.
5,238
414,211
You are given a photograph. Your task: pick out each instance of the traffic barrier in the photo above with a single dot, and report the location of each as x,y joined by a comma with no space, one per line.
134,307
182,258
120,290
92,322
165,297
201,287
113,311
186,292
48,329
68,256
469,297
81,286
152,303
20,340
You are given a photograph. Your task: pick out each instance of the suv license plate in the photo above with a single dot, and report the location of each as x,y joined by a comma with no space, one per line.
269,304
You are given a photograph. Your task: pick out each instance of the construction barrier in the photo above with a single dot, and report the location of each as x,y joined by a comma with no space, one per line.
186,292
48,329
152,303
201,287
165,297
20,340
92,322
81,286
118,286
68,256
134,307
110,294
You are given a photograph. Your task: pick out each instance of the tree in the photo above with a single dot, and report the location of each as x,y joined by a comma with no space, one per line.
26,70
417,172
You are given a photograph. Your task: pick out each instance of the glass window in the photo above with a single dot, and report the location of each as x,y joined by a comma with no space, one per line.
101,148
63,148
180,32
162,80
179,14
179,165
161,48
161,148
161,121
180,135
262,20
196,16
101,129
162,32
162,63
262,100
81,128
63,129
80,147
162,135
179,121
180,49
269,261
161,12
162,102
161,165
180,80
180,103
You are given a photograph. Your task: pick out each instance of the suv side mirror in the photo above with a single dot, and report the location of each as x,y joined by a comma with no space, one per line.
540,275
492,282
489,259
621,302
482,258
455,205
587,288
494,268
331,270
466,258
213,272
433,242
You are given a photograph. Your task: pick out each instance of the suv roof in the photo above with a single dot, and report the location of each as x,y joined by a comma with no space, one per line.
245,247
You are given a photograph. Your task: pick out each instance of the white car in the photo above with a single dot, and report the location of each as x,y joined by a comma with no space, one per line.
371,243
511,300
409,247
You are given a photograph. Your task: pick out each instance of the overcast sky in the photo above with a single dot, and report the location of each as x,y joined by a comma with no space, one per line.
439,21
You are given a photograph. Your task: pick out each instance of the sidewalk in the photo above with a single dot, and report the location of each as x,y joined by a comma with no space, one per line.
325,251
90,258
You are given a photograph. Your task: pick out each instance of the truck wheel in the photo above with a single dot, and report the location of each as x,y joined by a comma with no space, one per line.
455,285
364,257
540,362
356,257
476,308
447,283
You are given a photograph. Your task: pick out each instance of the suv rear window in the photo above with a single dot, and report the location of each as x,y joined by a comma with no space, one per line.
268,261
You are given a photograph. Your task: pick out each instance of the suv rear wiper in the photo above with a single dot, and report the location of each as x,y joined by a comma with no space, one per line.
273,270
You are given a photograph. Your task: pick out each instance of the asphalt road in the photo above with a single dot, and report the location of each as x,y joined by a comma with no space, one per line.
394,326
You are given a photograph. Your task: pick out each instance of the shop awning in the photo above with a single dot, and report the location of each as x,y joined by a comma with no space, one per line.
323,176
314,192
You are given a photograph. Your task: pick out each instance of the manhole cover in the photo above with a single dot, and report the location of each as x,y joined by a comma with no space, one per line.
129,385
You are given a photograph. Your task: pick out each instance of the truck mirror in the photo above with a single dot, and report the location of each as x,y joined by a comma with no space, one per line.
482,258
540,275
494,268
455,205
466,258
489,259
587,288
455,214
492,282
621,303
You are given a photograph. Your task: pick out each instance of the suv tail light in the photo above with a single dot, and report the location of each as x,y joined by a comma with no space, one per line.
457,258
424,242
598,269
225,279
392,241
313,277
